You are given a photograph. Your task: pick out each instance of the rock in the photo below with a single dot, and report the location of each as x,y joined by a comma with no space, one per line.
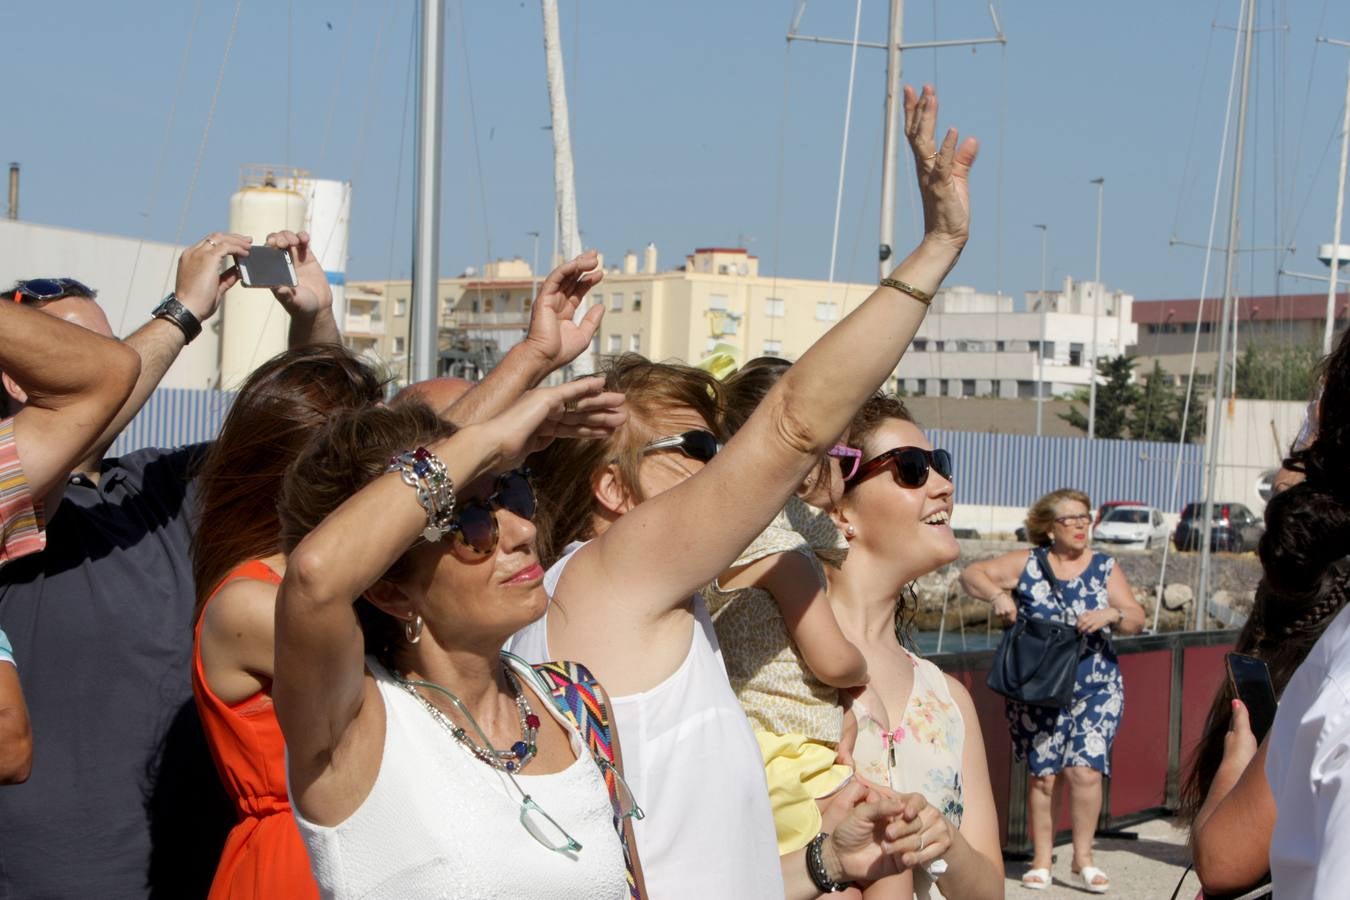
1176,596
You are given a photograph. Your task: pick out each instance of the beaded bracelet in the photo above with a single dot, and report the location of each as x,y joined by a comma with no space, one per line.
815,867
424,472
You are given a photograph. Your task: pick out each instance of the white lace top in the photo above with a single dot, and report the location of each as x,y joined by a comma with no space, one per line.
440,823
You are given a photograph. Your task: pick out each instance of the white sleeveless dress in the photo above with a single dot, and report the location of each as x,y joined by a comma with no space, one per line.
440,823
694,767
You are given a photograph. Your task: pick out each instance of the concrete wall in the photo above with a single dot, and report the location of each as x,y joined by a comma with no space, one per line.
1255,437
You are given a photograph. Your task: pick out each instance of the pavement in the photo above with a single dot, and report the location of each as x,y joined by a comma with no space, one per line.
1147,867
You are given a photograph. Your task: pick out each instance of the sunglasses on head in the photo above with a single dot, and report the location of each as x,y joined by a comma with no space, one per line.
912,465
697,444
38,290
475,522
849,459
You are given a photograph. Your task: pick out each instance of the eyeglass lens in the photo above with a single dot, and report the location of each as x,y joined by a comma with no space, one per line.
544,829
912,465
476,521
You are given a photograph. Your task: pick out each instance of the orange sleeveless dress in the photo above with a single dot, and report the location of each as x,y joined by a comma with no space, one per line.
264,855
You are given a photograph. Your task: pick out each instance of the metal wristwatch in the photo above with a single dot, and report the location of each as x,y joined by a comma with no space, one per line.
173,311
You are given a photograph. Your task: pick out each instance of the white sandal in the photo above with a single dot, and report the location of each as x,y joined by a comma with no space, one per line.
1042,874
1086,878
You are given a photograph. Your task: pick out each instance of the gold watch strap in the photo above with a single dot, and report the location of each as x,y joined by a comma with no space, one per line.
905,287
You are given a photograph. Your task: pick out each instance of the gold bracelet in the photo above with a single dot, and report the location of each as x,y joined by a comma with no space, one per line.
905,287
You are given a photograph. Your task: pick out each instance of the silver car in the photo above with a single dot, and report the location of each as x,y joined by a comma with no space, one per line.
1141,527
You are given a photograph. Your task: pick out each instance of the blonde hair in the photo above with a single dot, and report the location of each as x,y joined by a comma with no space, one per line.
1041,516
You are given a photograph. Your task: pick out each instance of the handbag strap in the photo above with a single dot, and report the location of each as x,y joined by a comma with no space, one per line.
576,694
1048,574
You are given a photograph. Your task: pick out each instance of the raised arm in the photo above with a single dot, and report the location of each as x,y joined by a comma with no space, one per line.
552,342
310,302
659,553
1230,838
75,381
992,580
16,737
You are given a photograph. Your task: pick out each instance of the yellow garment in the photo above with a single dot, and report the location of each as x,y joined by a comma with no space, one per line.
800,771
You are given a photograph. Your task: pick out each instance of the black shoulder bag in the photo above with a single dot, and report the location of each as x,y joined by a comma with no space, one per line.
1037,661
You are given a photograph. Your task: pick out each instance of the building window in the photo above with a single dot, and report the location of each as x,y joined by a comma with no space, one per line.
615,343
945,387
968,387
616,302
398,345
400,306
921,345
717,302
1075,354
921,388
635,344
711,345
773,348
489,305
473,306
773,308
826,311
637,301
527,304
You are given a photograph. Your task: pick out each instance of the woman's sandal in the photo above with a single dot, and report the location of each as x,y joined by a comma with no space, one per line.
1086,878
1036,879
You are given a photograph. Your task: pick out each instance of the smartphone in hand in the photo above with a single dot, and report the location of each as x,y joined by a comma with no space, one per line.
266,267
1251,683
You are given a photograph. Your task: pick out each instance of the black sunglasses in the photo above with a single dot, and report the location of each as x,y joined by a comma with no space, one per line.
475,521
39,290
912,465
697,444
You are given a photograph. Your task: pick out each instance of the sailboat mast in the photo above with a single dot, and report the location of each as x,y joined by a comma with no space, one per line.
564,177
426,235
890,135
1230,260
1336,258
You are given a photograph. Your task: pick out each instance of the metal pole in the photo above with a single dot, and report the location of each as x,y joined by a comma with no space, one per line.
1336,226
426,238
1096,312
534,266
1216,426
1040,348
890,136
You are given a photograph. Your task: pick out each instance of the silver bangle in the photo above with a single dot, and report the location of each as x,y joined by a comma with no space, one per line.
424,472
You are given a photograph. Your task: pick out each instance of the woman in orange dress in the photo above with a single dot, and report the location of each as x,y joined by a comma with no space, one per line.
238,567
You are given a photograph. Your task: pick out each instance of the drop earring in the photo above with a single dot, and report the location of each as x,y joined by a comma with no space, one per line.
412,629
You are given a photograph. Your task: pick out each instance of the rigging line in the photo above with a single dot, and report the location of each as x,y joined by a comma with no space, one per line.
158,172
998,204
290,58
1195,124
1303,117
206,136
377,55
1200,313
843,151
402,137
337,82
472,135
1313,187
871,170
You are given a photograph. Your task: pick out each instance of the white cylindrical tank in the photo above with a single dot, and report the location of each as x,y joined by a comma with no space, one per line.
328,223
254,325
630,263
649,261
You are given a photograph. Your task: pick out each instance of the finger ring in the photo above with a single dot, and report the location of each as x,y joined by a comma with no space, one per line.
934,155
213,243
570,406
921,842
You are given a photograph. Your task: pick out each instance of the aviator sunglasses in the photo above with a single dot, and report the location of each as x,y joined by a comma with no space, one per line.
39,290
697,444
912,465
475,521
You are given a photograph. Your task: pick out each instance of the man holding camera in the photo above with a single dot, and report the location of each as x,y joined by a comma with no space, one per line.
123,799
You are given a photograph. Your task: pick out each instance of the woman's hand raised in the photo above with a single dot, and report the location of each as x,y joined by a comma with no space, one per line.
577,409
944,171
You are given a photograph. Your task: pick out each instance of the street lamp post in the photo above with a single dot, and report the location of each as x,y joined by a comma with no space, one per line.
1096,312
1040,347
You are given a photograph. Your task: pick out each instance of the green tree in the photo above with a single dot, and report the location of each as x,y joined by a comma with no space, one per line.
1276,372
1117,397
1157,416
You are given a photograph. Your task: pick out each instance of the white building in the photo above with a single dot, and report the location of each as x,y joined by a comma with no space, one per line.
974,344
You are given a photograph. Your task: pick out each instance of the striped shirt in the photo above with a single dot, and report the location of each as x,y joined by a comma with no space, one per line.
22,530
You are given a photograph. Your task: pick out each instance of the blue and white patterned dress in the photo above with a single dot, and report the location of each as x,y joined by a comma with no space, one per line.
1080,734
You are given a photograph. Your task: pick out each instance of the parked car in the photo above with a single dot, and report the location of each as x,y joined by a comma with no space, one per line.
1234,529
1113,504
1131,526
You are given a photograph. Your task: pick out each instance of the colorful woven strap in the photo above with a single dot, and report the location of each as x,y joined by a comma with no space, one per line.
574,694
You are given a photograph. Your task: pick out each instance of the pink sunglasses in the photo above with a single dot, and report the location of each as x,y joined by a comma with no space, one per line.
849,459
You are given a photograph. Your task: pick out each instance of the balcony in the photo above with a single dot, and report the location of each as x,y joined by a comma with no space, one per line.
364,324
463,319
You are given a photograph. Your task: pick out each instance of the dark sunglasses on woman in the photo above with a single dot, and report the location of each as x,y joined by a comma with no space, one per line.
911,466
38,290
697,444
475,522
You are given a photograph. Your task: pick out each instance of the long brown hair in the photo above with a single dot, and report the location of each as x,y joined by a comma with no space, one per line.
348,453
567,470
281,405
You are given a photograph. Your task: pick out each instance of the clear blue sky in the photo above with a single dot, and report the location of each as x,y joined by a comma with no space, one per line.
683,117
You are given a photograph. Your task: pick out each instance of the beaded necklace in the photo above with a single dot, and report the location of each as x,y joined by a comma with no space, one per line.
511,760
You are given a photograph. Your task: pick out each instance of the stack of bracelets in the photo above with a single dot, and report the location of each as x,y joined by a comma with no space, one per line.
423,471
